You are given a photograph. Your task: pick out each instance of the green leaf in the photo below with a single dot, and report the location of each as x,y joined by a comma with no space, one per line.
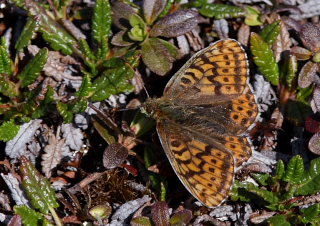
52,32
288,72
297,111
182,217
37,187
264,59
29,217
65,112
101,25
310,183
28,33
7,87
32,70
141,221
86,88
221,11
311,213
5,61
267,196
262,178
138,32
8,130
252,17
112,81
279,170
279,220
270,32
158,55
86,50
294,171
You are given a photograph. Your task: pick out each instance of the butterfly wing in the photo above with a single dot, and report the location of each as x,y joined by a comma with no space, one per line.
219,71
214,85
205,167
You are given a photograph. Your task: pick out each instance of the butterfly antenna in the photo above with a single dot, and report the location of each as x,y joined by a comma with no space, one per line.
142,83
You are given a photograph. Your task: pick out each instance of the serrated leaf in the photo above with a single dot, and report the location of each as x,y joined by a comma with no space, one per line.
7,87
311,213
270,32
279,220
65,112
152,9
295,169
8,130
101,25
52,154
86,88
267,196
310,183
175,24
37,187
160,214
86,50
28,33
29,217
51,31
141,221
112,81
262,178
32,70
280,169
288,72
264,59
5,61
221,11
158,55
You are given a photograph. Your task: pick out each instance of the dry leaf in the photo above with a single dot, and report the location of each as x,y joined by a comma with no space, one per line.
53,154
73,136
222,28
18,145
17,194
244,34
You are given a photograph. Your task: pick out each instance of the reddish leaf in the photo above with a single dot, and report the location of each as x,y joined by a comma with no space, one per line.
176,24
160,214
301,53
152,9
314,144
307,74
114,155
310,36
313,123
120,14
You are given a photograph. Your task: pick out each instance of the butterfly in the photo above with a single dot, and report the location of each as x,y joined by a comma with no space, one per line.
203,118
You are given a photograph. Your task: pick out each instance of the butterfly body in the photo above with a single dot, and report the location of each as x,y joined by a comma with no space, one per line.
203,118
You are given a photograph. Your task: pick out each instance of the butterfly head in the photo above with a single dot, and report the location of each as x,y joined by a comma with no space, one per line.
151,107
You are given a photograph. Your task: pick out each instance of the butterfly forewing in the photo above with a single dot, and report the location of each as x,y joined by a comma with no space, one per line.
219,71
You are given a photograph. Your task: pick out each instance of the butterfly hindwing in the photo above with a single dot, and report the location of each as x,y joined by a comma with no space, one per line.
203,166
